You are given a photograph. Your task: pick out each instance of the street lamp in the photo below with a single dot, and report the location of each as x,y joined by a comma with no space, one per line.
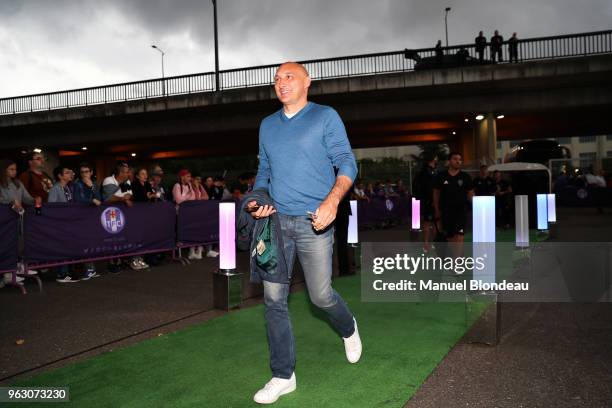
217,88
446,10
162,65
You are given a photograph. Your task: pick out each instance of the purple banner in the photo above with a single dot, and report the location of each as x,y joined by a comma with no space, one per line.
380,209
198,222
65,232
8,240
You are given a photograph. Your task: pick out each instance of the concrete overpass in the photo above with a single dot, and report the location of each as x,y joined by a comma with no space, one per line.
538,98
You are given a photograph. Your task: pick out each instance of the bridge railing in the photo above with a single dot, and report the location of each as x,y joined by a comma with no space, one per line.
541,48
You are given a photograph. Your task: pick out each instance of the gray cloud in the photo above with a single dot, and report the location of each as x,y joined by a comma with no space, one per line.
53,45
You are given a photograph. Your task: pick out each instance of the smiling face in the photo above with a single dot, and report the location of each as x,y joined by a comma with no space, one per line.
291,84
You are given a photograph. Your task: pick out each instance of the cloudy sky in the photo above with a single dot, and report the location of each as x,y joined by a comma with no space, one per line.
49,45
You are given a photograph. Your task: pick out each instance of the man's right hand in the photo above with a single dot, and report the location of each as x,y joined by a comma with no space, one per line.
262,212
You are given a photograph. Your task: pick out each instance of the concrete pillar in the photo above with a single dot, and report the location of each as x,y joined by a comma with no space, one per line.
464,143
104,166
486,140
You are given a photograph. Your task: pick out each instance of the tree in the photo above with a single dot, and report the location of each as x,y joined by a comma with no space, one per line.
430,150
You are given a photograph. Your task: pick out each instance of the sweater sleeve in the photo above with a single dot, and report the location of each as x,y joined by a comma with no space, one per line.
263,171
338,147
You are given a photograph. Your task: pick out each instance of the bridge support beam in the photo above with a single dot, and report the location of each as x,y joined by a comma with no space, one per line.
464,144
486,140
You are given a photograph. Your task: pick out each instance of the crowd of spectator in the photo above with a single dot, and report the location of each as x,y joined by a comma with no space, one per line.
125,185
495,44
378,190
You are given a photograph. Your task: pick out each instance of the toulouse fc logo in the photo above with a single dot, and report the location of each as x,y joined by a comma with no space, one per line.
112,220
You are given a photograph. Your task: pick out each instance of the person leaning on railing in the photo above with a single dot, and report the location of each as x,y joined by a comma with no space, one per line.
201,194
142,189
157,175
115,190
61,193
86,191
13,193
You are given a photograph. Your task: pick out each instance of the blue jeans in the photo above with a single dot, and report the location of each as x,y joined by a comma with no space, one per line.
314,251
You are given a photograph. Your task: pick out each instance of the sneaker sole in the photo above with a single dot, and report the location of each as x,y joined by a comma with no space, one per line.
287,391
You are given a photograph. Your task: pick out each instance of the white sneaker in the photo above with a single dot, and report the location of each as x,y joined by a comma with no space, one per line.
135,265
8,278
29,272
274,389
192,254
66,279
198,253
143,264
212,254
352,346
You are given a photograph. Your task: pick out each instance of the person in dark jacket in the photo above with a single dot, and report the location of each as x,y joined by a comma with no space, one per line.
141,188
496,46
438,51
513,48
481,44
423,191
484,185
86,191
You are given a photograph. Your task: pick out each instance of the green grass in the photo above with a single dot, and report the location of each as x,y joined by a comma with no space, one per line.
223,362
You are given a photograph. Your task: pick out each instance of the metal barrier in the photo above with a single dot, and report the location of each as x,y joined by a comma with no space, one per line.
541,48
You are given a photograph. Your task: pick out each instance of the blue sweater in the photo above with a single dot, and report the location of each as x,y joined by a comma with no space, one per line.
297,157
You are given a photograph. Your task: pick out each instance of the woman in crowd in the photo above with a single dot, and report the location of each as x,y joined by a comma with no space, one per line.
213,192
202,194
141,188
12,190
198,189
86,191
182,190
13,193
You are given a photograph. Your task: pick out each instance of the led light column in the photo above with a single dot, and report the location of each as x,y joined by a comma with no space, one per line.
227,236
551,207
353,234
521,212
483,228
416,214
542,201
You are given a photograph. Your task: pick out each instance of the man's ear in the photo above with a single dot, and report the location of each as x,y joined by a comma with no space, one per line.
307,82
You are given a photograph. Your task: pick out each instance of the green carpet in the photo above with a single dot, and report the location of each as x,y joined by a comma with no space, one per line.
223,362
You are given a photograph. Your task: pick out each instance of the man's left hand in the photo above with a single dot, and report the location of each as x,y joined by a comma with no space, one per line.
325,215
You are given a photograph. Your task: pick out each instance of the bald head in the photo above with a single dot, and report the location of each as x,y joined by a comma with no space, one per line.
293,66
291,83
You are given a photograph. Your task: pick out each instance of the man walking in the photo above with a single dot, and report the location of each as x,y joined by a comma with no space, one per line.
299,146
423,191
452,192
